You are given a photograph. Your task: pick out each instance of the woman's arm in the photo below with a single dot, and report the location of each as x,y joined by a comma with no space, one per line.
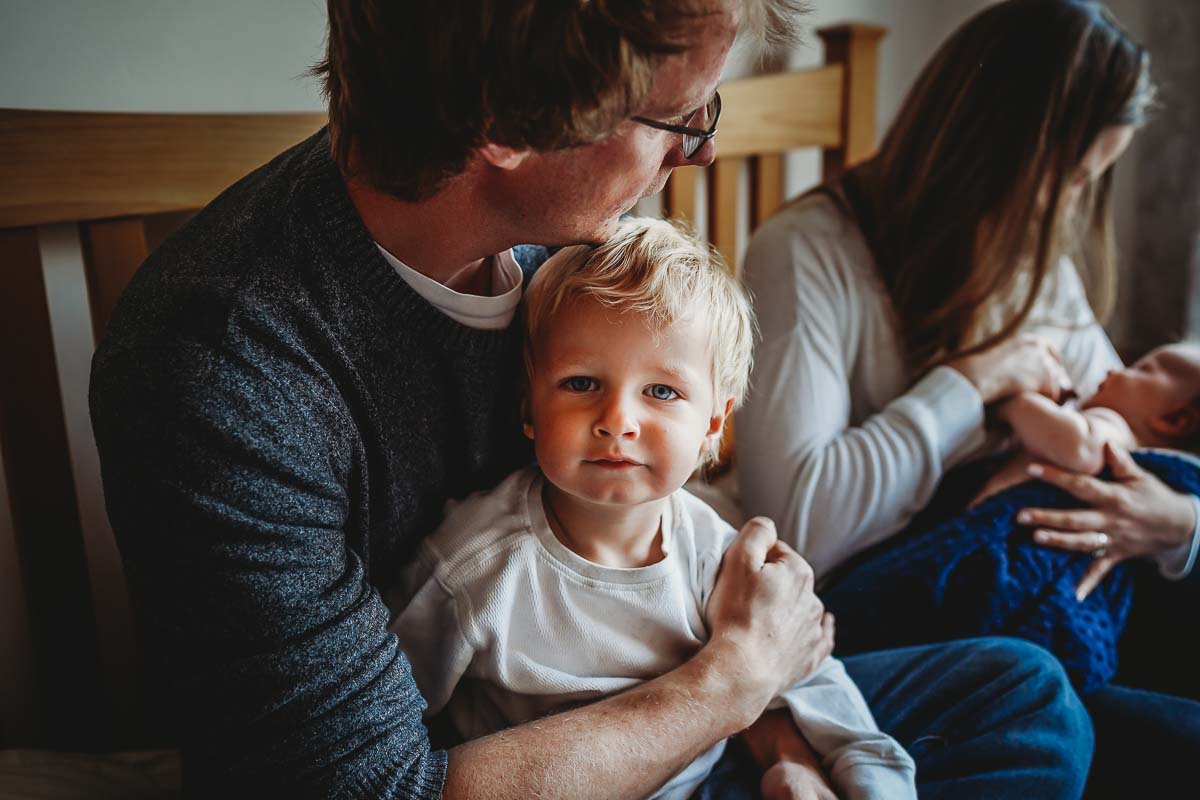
834,488
828,347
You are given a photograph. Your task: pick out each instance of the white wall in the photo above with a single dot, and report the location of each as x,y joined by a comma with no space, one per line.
914,30
160,55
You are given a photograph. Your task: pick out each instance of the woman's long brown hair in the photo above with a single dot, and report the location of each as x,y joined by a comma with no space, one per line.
965,191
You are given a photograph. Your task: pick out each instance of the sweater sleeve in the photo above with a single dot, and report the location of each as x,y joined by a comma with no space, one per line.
228,487
863,762
834,488
431,633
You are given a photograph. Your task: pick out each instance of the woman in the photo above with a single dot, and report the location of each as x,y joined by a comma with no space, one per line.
939,278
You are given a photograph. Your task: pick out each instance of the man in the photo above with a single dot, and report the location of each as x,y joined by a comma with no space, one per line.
297,381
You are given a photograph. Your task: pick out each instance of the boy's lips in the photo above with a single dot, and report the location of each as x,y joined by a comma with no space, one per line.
613,462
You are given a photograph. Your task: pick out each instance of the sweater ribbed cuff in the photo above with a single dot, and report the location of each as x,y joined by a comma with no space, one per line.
424,779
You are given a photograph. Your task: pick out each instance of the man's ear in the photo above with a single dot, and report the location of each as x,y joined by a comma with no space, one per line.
1177,423
717,422
502,157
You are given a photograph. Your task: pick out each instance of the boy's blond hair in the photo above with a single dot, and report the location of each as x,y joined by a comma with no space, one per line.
652,267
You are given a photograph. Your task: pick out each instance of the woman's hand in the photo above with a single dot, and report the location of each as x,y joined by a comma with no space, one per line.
1135,514
1024,363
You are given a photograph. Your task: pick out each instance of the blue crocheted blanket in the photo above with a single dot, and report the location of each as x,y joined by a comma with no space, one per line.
955,574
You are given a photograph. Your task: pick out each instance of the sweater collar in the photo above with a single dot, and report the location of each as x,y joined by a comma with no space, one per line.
323,193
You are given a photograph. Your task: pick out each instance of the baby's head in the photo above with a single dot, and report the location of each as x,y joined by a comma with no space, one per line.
636,352
1159,397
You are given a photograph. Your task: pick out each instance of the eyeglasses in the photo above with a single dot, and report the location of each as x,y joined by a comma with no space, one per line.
693,138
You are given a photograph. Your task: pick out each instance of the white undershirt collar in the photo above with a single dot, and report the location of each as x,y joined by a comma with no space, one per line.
475,311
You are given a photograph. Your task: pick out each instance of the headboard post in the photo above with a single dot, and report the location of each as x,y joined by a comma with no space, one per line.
856,48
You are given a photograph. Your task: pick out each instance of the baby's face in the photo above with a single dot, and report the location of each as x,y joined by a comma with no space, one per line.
618,409
1160,382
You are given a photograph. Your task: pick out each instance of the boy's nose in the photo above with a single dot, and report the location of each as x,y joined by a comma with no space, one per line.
615,420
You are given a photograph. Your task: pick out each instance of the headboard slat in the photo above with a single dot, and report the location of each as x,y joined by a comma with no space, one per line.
115,249
766,181
723,208
777,113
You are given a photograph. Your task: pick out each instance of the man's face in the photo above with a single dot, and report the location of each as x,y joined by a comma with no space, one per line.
576,195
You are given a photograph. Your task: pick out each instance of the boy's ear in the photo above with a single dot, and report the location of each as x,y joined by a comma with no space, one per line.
1177,423
502,157
717,422
526,420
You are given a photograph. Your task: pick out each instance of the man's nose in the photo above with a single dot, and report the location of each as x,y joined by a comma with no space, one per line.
616,419
701,158
706,155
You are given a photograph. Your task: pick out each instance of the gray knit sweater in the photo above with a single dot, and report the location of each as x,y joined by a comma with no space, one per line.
280,420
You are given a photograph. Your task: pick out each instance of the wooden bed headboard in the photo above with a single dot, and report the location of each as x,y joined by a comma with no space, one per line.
82,199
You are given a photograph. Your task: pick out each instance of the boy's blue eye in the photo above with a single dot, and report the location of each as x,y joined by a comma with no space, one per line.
660,391
580,383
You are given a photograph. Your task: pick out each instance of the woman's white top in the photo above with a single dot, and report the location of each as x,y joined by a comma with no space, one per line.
833,443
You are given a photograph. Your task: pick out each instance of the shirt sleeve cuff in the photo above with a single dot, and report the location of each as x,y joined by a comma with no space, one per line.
954,409
1176,563
874,781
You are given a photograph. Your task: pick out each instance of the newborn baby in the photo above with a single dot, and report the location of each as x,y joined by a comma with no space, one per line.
1154,402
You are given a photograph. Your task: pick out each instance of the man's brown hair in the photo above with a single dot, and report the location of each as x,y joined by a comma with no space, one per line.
415,86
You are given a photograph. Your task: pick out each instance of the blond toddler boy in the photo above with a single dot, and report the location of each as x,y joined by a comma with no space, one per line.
591,572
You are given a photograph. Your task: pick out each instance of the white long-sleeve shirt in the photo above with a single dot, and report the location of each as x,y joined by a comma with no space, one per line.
502,624
833,443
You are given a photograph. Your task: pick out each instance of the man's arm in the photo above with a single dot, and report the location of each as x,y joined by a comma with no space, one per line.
1063,436
624,746
268,647
768,632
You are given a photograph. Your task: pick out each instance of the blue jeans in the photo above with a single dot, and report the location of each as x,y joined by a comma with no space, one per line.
1147,744
1148,723
990,718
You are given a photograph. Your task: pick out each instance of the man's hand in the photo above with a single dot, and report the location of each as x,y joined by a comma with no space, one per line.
765,615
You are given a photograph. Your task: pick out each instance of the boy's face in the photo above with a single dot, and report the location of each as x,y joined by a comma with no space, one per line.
1156,385
619,410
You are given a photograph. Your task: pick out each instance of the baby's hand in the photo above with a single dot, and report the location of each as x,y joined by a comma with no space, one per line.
788,780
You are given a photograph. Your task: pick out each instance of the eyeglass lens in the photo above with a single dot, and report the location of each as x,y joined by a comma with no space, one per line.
703,120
